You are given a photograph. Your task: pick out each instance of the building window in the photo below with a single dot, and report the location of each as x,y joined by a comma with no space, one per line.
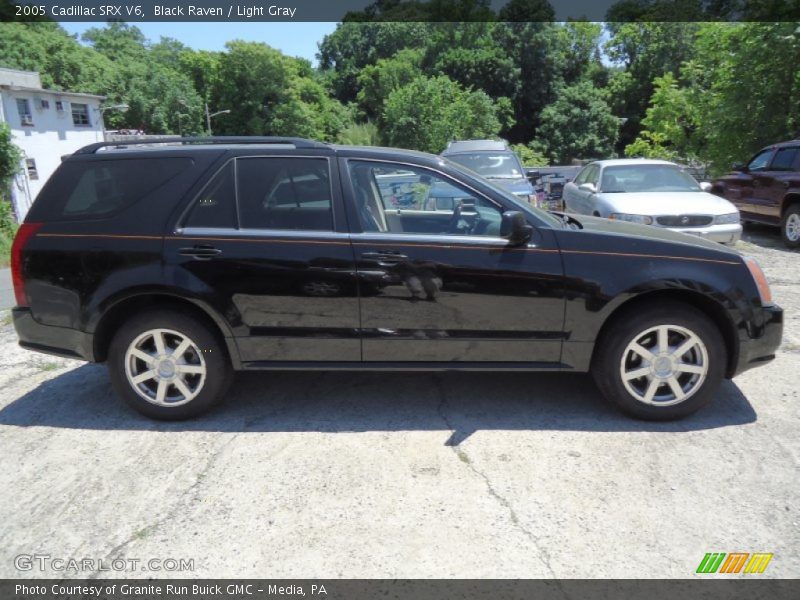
60,105
24,109
30,165
44,104
80,114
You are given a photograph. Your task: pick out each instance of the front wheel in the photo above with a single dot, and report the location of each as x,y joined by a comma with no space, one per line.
660,363
168,365
790,227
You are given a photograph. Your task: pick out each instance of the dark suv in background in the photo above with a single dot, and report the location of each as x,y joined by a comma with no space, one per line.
767,189
182,261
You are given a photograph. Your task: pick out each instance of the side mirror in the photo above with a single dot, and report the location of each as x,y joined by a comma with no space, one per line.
705,186
739,167
515,228
588,187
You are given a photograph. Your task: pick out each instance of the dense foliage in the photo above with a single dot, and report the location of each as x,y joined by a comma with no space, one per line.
707,92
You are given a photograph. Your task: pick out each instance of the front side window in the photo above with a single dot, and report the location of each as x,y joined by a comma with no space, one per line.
80,114
392,198
24,110
760,161
284,193
786,159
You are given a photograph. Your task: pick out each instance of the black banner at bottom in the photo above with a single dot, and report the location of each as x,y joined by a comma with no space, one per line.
399,589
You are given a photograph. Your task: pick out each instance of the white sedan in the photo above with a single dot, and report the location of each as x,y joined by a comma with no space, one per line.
652,192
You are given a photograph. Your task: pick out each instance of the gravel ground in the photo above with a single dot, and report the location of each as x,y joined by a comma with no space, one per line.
402,475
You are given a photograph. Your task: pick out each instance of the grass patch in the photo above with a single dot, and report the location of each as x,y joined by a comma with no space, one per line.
6,320
49,366
6,239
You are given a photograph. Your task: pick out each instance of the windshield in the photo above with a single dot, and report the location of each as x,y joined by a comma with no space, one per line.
523,206
492,165
646,178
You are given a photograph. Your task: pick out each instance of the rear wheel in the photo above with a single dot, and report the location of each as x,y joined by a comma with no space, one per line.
790,226
168,365
661,362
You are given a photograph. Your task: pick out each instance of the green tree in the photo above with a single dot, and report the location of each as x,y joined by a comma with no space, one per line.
377,81
669,125
644,51
530,157
10,157
272,94
578,125
430,111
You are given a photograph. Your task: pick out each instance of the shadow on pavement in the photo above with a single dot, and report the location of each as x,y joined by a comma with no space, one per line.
368,401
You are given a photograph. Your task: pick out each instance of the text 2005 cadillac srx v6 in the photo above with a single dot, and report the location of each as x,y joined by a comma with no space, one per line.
178,263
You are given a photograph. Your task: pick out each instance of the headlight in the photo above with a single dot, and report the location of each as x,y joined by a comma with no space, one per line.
729,219
643,219
761,281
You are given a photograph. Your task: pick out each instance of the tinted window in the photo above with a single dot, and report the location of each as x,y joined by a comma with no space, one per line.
785,159
216,205
99,188
399,199
284,193
759,162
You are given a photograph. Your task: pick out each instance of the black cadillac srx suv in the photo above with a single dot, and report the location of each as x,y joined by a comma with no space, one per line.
181,261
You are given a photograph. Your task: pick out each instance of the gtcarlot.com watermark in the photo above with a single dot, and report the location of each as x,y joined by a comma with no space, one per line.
47,562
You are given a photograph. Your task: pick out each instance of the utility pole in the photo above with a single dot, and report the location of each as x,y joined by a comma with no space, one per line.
210,115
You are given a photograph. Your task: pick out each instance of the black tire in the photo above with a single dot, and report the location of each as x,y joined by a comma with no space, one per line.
629,326
210,389
790,217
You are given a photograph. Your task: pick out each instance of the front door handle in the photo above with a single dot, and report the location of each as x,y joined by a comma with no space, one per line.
200,251
386,258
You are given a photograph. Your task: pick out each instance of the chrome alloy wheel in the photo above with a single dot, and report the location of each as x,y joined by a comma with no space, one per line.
165,367
793,227
664,365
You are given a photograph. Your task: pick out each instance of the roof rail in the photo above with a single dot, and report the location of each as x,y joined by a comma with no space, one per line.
219,139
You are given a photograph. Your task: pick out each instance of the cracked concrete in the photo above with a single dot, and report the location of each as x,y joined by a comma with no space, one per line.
403,474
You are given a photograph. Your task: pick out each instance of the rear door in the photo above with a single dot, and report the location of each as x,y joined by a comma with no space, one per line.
265,244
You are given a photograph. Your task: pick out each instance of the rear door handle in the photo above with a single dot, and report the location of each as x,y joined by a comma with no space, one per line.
200,252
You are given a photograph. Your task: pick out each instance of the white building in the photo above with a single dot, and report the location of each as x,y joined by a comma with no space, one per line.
46,125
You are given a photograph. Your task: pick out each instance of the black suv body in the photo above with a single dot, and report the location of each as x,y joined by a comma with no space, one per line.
179,263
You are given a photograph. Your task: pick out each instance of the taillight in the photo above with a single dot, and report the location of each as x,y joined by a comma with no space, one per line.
25,232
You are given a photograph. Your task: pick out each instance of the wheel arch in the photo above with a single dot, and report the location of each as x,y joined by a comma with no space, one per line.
789,200
116,314
710,307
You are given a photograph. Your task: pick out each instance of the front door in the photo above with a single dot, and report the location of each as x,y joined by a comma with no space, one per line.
438,283
265,244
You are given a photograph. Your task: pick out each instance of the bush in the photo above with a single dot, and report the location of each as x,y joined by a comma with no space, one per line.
8,228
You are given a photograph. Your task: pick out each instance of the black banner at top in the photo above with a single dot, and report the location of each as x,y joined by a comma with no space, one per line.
133,11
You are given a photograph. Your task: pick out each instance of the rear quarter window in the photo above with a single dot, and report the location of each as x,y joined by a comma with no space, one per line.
99,189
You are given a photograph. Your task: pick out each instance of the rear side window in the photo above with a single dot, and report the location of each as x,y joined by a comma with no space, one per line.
786,159
216,206
284,193
97,189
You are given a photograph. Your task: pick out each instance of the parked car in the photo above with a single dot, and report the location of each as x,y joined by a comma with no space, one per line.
767,189
652,192
495,161
178,263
